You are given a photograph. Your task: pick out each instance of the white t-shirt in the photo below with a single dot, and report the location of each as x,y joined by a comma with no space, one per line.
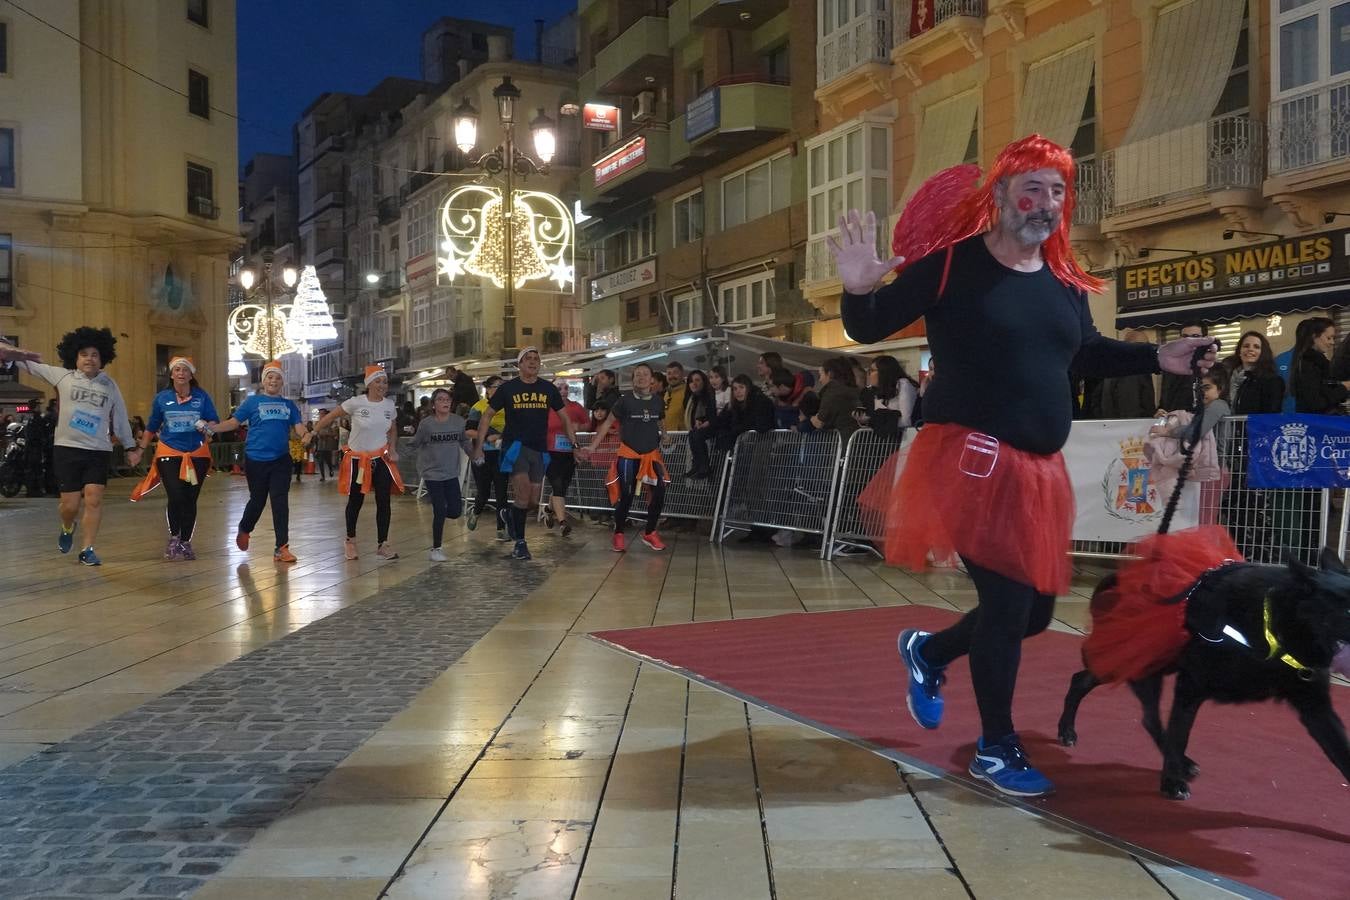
370,422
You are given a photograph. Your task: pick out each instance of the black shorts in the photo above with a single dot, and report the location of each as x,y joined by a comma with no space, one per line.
75,467
562,467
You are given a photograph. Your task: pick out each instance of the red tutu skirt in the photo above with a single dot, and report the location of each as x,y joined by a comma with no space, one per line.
954,492
1139,626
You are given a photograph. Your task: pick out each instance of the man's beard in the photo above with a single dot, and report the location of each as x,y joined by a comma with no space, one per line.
1030,229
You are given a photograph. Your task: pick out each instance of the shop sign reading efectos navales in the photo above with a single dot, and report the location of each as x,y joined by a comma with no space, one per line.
1288,264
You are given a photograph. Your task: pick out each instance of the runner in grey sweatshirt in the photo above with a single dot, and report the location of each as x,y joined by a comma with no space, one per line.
91,408
439,441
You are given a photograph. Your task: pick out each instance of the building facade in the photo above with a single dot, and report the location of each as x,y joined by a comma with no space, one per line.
696,182
117,182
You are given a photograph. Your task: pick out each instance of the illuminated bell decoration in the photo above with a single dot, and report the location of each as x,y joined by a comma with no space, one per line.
257,342
473,233
488,258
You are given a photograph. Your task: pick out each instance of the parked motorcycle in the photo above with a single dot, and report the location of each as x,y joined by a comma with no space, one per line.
14,460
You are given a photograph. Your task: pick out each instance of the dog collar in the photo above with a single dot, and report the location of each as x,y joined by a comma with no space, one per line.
1304,672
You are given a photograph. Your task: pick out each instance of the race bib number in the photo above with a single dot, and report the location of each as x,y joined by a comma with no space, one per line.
86,422
181,421
562,444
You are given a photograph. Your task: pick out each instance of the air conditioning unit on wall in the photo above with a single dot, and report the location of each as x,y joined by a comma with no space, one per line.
644,106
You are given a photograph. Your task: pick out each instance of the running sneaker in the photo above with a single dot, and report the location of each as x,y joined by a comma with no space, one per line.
89,557
1006,767
924,697
653,540
472,518
185,548
283,554
349,548
566,527
386,551
66,539
172,550
241,540
619,545
437,555
521,551
550,519
503,533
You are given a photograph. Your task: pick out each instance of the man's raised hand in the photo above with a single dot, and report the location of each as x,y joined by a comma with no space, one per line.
855,253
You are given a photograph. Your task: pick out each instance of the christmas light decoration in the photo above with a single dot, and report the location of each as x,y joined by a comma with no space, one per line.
310,320
236,355
473,228
273,330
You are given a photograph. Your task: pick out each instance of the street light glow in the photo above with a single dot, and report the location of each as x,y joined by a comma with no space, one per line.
246,278
372,278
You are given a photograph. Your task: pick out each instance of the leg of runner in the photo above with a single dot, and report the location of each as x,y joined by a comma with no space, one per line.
656,501
384,485
279,493
258,474
527,497
627,471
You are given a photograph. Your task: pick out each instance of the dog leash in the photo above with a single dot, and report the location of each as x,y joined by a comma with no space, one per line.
1189,442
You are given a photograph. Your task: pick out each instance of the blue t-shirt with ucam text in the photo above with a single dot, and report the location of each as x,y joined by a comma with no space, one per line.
176,422
269,421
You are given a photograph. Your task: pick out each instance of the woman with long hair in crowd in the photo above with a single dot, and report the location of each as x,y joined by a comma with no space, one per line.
721,386
370,463
91,407
271,419
886,405
179,417
1254,387
487,475
1310,369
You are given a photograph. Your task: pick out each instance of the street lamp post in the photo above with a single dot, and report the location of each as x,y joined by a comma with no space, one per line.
247,279
510,161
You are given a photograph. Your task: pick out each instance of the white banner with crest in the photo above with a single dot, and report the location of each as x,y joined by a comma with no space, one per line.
1118,497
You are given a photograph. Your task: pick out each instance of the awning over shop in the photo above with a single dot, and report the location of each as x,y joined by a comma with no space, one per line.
943,137
1231,308
1054,94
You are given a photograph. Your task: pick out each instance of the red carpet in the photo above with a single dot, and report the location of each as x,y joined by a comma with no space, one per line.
1268,811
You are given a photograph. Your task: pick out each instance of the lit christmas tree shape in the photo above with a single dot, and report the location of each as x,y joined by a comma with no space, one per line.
310,320
473,230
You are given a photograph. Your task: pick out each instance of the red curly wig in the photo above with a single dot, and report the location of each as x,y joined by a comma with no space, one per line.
953,205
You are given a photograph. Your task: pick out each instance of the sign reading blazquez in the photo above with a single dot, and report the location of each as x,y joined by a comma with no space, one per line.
1283,265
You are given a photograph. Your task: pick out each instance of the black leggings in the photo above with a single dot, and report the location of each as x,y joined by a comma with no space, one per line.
486,477
445,502
268,479
182,497
656,494
382,482
992,635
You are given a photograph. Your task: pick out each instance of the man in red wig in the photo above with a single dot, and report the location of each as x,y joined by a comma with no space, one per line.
990,268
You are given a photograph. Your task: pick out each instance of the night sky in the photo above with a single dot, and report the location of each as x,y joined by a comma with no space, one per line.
291,51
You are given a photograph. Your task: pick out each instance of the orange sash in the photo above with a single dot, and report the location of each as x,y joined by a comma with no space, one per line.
363,473
187,470
646,473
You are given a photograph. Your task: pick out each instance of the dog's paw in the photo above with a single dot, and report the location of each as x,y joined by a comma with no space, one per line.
1191,767
1067,735
1175,788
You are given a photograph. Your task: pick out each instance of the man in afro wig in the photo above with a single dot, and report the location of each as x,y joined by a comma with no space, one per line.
101,339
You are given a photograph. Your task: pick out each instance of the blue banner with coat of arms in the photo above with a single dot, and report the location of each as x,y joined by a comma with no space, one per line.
1298,451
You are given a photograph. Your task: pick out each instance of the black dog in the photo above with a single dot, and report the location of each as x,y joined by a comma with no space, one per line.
1234,615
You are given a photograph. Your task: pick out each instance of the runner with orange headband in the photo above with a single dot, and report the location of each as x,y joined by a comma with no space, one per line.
179,417
369,462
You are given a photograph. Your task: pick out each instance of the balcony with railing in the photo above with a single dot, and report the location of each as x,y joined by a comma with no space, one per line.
640,165
731,116
857,51
468,342
388,210
641,50
328,257
1089,194
949,24
1221,155
1310,129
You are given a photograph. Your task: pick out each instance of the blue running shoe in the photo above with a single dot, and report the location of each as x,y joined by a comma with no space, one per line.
1005,766
521,551
89,557
925,682
66,539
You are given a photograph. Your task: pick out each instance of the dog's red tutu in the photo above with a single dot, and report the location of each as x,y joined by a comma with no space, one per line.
1139,626
1016,520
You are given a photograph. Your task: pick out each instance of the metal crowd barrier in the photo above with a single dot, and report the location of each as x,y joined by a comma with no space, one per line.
783,480
224,456
685,498
854,527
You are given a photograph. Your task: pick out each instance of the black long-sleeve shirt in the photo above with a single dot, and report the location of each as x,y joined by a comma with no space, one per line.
1314,389
1005,341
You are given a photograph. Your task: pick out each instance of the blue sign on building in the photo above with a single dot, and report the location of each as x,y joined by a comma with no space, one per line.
703,114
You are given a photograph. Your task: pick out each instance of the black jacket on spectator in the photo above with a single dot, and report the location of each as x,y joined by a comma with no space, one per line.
757,415
1259,394
1177,393
464,391
1314,389
837,402
885,422
1128,397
